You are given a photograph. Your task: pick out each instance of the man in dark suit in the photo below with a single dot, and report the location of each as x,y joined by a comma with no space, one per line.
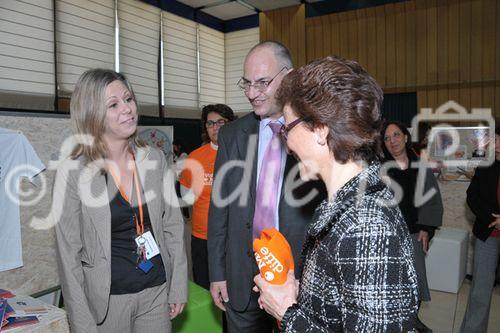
240,206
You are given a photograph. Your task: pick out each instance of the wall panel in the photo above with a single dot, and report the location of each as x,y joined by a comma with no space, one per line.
411,44
319,31
380,26
237,45
453,48
139,50
497,62
400,44
362,38
476,96
334,31
443,49
432,47
212,62
421,42
488,53
371,27
85,39
26,54
309,37
442,42
278,25
327,40
390,46
180,66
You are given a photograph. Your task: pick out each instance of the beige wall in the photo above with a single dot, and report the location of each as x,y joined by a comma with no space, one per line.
442,49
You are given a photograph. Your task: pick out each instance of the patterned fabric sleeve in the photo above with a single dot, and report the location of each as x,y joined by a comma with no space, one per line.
377,293
297,320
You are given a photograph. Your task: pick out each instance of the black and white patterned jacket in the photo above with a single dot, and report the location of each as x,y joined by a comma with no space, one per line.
359,273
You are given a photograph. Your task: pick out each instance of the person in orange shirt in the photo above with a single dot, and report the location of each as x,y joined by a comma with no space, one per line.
197,177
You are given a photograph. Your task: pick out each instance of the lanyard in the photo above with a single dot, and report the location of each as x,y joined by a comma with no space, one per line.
139,222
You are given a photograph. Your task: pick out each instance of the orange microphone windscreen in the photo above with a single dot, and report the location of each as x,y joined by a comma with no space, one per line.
274,256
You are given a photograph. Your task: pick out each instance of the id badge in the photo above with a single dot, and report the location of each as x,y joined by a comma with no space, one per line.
147,240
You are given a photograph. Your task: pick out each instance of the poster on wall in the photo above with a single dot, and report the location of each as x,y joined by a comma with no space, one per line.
469,143
459,150
160,137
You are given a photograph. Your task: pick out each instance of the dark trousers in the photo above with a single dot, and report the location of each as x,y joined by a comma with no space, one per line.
252,320
184,210
199,257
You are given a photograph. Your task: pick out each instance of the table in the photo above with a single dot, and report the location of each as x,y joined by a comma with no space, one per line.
55,321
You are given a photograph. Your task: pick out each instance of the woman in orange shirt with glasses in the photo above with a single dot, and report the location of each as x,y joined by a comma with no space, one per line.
197,178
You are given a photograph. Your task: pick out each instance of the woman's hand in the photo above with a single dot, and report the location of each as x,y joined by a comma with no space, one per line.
276,299
423,236
495,224
175,309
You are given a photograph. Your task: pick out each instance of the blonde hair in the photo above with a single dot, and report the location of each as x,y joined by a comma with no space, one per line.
88,112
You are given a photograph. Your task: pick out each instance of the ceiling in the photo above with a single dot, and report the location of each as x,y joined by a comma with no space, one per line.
231,9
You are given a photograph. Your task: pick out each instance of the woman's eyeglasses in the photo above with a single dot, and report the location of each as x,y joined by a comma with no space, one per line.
285,129
218,122
395,135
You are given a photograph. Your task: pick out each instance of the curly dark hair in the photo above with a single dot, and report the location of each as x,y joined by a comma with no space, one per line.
341,95
221,109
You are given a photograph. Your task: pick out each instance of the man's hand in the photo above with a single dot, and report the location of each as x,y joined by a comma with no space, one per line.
218,290
175,309
423,236
495,224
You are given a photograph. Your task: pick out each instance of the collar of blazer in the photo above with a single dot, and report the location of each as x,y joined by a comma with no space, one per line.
250,124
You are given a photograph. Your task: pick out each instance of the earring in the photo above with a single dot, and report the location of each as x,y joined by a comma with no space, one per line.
321,142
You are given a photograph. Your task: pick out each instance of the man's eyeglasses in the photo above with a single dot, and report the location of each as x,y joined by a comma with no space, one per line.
260,85
219,122
285,129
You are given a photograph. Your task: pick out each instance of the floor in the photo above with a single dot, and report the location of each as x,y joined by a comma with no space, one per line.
445,312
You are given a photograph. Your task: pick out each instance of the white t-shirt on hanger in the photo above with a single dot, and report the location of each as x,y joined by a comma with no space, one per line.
17,159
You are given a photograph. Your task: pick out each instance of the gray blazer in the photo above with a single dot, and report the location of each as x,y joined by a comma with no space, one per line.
83,234
230,251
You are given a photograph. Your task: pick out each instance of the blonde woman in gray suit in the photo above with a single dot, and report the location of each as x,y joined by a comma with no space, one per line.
119,232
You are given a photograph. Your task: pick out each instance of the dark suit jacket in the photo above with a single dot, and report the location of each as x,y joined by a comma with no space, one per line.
230,226
482,199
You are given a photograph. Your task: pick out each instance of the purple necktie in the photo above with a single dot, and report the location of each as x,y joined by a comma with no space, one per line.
267,186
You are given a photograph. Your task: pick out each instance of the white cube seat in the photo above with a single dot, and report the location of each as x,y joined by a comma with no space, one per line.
446,260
